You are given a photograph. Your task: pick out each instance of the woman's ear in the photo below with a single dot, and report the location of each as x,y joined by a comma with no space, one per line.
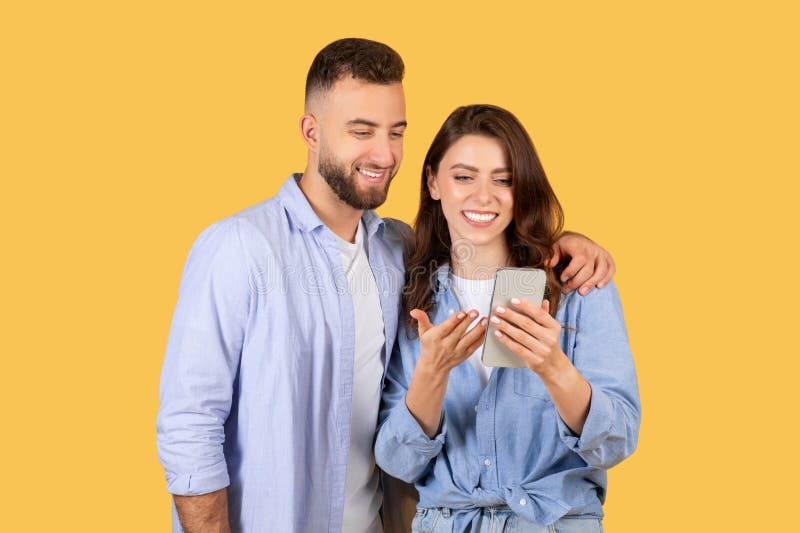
433,185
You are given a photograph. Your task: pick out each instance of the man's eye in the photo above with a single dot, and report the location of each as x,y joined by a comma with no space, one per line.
397,134
361,133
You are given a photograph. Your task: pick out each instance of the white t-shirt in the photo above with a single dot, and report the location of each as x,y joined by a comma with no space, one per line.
363,496
475,294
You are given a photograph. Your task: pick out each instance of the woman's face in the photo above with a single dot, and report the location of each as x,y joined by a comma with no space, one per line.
473,184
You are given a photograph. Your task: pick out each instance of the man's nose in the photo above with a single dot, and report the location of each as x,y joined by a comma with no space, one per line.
381,153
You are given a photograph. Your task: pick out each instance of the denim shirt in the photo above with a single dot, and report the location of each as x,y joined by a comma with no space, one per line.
506,444
256,388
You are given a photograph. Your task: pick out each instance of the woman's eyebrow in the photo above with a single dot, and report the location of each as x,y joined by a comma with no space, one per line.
501,170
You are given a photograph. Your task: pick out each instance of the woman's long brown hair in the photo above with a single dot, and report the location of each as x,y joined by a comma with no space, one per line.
538,217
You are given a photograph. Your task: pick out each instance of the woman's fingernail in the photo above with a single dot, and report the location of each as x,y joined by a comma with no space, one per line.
498,333
495,320
473,315
460,316
515,301
484,322
501,309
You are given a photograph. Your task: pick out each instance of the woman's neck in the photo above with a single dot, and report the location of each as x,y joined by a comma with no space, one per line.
478,262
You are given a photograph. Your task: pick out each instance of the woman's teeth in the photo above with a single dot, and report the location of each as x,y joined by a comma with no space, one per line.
479,217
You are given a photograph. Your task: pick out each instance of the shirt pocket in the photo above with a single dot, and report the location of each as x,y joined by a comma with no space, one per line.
527,383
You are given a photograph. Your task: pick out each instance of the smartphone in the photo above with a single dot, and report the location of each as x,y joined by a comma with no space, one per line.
525,284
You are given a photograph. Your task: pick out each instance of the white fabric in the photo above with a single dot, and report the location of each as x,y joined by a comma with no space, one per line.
362,489
475,294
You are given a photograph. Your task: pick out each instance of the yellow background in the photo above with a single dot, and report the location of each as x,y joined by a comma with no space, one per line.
669,131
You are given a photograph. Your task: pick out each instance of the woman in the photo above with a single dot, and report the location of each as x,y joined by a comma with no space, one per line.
504,449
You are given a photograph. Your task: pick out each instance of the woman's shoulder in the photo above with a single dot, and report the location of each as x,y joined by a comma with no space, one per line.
598,303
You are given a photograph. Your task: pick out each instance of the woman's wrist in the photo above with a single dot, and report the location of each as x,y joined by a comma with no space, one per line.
432,374
561,373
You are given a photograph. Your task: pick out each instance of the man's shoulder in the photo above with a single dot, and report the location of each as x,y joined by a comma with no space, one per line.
263,214
252,227
398,231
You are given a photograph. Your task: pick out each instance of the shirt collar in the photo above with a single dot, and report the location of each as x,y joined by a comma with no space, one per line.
303,214
442,276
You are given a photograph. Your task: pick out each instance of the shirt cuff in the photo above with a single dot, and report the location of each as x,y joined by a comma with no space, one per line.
411,433
597,427
197,483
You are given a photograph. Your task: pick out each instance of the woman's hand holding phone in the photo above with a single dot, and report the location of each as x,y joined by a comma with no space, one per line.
530,332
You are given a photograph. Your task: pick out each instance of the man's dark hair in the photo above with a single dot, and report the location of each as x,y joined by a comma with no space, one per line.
362,59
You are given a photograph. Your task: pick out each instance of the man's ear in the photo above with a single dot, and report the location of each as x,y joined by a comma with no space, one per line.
433,185
309,130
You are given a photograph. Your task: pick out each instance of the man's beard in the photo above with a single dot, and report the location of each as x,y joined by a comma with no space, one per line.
339,177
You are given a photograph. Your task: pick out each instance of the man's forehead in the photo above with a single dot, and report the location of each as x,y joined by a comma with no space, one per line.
354,99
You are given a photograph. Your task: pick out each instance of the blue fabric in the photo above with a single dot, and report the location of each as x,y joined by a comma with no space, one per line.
256,387
500,520
506,444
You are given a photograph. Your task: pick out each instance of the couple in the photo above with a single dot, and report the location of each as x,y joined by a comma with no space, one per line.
289,321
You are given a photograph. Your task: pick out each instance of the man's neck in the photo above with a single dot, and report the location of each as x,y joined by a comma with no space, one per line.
340,218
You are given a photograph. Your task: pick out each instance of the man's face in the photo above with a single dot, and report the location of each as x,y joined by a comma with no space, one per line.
361,140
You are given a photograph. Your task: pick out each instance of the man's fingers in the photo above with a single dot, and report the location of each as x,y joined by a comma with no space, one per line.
576,263
600,269
611,270
555,259
579,278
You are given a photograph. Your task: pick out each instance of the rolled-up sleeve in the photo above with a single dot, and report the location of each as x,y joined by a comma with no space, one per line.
202,360
402,448
603,357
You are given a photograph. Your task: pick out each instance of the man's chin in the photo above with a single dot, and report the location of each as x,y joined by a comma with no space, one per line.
373,198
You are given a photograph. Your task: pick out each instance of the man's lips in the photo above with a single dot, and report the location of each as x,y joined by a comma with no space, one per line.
373,175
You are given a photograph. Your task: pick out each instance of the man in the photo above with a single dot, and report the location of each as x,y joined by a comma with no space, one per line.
286,315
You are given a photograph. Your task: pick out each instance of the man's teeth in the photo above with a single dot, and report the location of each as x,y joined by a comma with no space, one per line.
371,174
479,217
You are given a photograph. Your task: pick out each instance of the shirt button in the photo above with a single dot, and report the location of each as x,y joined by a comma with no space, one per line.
476,407
523,501
488,462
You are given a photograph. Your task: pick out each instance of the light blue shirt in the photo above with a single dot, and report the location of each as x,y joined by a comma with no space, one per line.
506,444
256,388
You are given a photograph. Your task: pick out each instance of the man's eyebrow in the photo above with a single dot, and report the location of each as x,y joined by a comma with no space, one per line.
502,170
371,124
362,122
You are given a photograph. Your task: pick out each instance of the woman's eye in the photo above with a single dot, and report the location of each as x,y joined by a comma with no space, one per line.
506,182
463,178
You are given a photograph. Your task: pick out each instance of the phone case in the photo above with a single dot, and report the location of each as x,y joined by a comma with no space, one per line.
524,283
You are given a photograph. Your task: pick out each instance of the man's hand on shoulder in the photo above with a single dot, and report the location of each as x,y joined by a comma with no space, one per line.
590,265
